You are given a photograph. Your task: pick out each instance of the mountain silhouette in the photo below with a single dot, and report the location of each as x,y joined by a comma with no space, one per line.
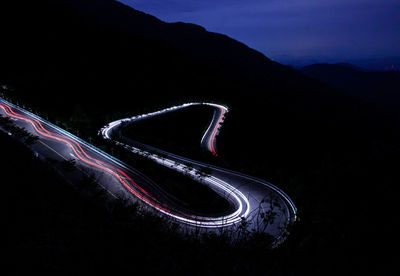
87,62
380,87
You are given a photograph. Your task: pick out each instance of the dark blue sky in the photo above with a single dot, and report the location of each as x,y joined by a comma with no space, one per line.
294,31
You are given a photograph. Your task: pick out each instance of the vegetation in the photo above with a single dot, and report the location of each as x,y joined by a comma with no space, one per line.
178,132
334,154
181,190
19,133
379,88
62,228
184,190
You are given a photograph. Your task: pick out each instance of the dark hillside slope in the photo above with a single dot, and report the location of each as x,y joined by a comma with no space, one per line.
105,55
104,58
104,46
53,227
381,88
87,62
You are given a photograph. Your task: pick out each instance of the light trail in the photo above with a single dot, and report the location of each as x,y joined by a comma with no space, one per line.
208,141
8,111
215,131
211,133
244,209
73,143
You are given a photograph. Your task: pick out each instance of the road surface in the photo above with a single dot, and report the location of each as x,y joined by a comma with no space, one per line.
248,196
261,196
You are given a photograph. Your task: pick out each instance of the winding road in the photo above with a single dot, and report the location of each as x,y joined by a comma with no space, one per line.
261,196
248,196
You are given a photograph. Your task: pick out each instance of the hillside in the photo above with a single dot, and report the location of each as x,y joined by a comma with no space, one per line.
56,227
103,46
82,63
381,88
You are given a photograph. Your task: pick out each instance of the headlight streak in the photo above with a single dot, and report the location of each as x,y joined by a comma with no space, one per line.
227,189
214,181
50,135
292,211
242,205
212,137
71,141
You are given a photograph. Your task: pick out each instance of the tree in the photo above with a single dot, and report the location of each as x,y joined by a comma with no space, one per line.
31,139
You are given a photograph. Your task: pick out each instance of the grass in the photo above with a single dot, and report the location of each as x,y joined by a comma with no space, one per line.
179,132
55,227
194,196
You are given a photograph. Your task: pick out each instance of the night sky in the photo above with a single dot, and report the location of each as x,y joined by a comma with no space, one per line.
294,31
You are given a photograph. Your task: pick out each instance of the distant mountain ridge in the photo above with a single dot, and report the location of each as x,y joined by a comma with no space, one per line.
77,42
381,88
84,63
